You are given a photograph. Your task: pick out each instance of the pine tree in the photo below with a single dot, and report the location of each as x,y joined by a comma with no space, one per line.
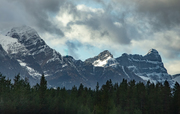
141,96
5,87
176,99
122,94
80,90
42,94
166,97
106,97
131,99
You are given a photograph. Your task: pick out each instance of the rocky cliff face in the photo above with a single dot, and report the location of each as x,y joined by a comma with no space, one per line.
8,64
148,67
11,67
26,53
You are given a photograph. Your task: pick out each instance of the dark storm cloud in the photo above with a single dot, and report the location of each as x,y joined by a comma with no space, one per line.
32,12
160,14
41,10
92,23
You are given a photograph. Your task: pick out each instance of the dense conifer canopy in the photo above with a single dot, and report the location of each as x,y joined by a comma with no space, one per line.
119,98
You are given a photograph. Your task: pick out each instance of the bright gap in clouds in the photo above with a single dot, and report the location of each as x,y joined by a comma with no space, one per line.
173,67
91,3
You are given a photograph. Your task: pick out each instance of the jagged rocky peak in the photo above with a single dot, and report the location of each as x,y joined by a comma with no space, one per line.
68,58
153,55
28,37
124,54
25,35
100,60
104,55
152,51
22,32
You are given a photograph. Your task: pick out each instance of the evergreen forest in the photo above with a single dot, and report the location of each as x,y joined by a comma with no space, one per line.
127,97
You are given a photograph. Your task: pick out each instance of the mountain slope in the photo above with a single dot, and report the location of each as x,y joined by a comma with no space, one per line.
37,57
8,65
176,78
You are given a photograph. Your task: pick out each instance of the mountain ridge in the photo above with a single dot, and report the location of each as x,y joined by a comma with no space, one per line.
176,78
36,57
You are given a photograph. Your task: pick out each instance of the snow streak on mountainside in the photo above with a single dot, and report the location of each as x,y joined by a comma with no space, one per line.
36,57
28,54
149,66
37,53
8,65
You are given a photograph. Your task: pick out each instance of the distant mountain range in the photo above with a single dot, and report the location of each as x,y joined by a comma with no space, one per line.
23,51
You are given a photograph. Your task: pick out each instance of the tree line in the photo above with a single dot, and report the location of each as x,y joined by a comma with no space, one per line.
119,98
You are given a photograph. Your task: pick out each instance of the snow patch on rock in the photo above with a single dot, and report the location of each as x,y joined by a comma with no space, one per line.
11,45
101,63
23,32
30,70
148,79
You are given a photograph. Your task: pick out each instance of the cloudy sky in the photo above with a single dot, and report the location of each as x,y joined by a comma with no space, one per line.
84,28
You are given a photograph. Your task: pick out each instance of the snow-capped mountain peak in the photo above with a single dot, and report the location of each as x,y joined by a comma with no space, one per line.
23,33
29,38
104,55
11,45
101,60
